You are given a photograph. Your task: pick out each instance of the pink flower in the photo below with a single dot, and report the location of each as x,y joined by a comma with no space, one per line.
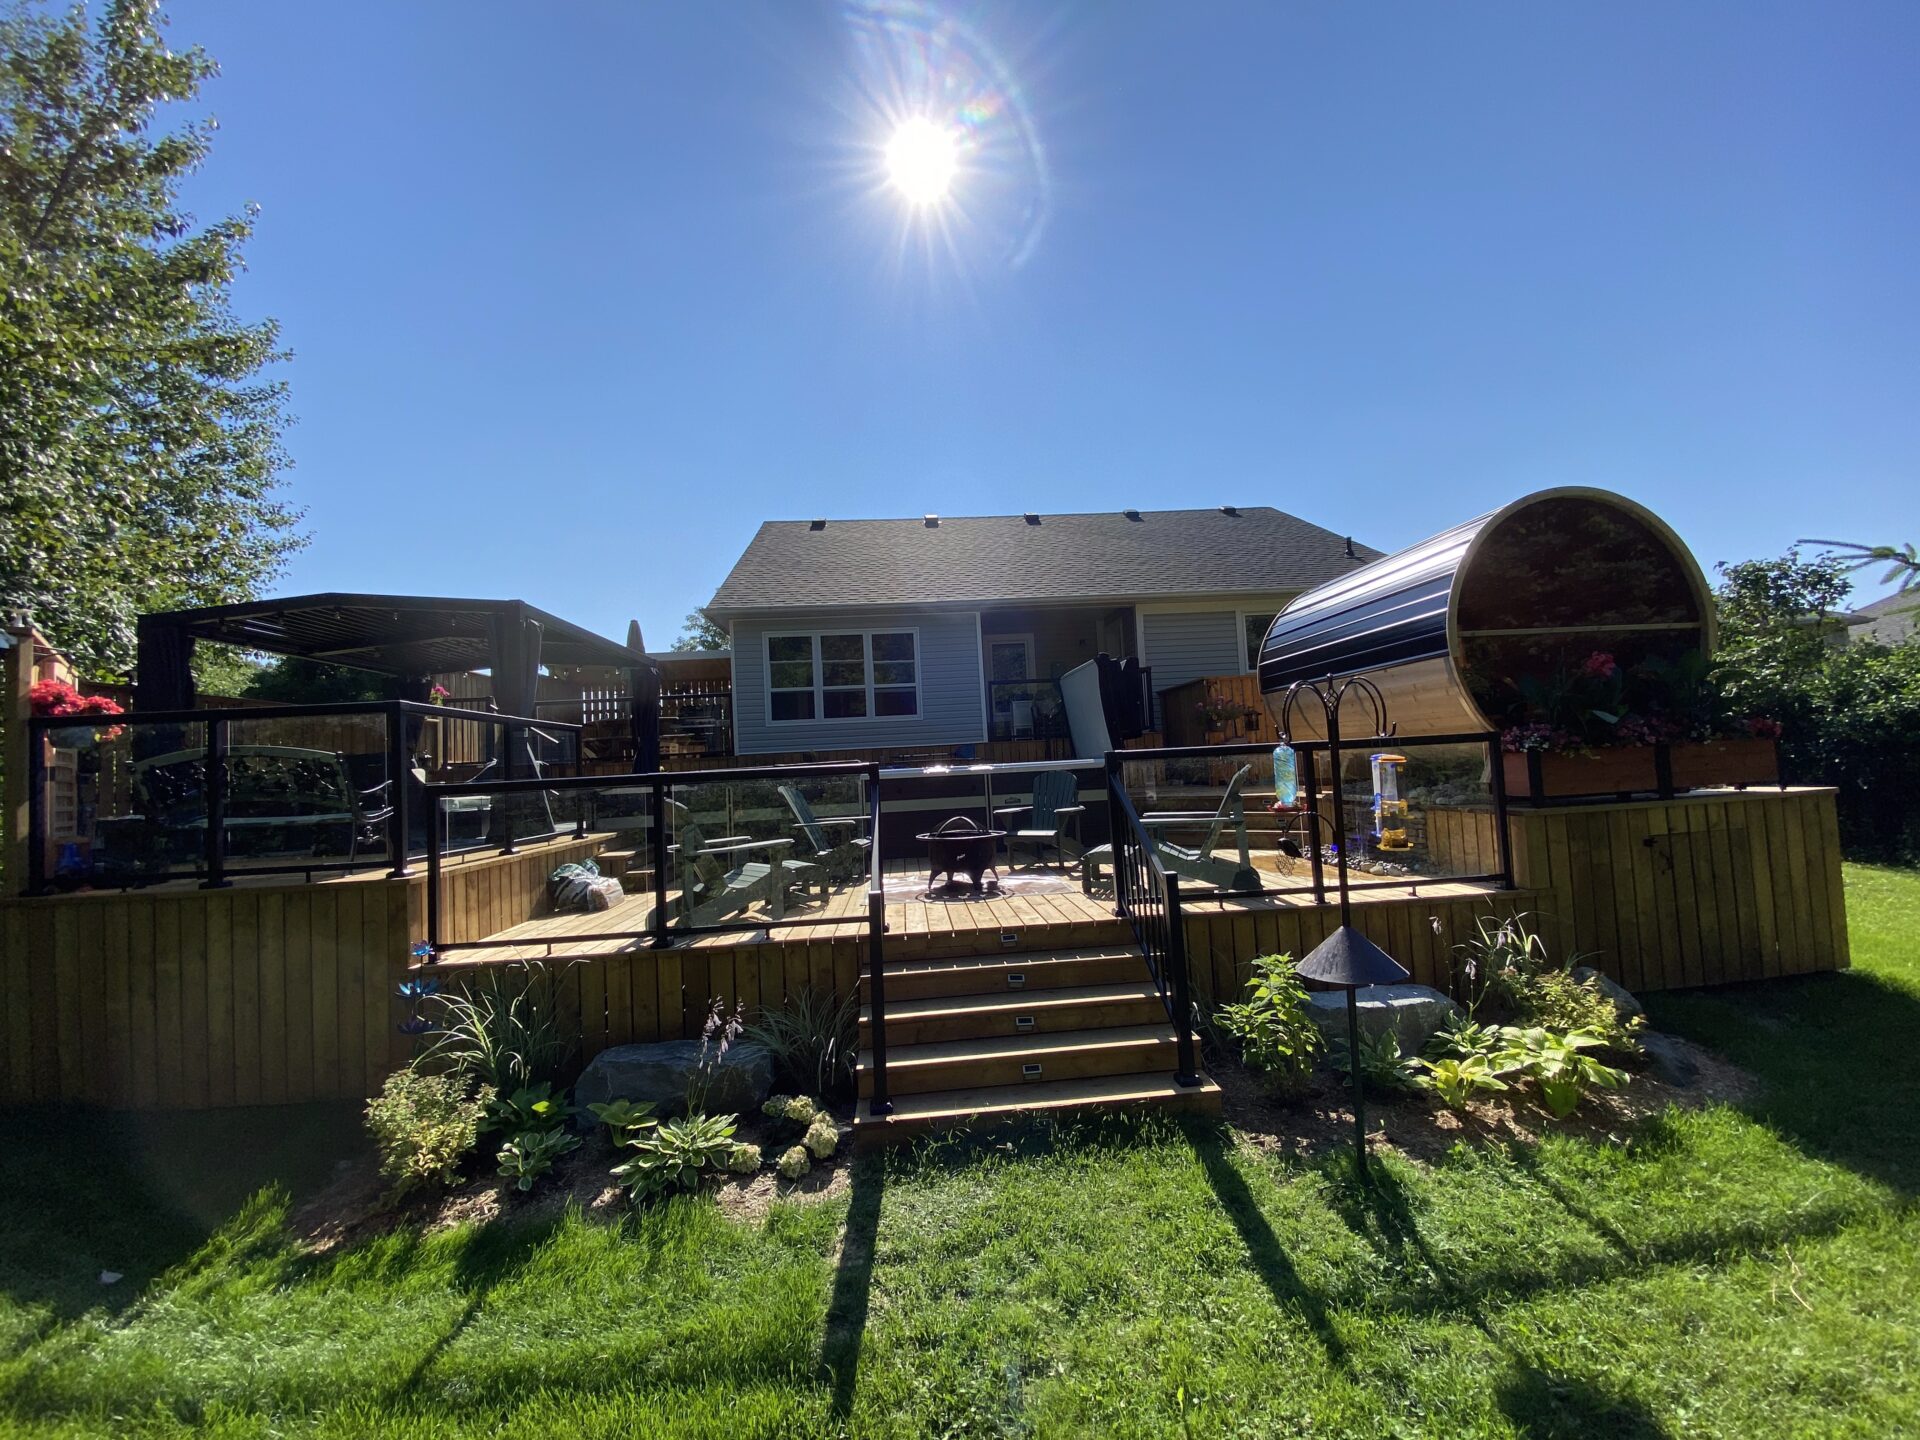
1600,666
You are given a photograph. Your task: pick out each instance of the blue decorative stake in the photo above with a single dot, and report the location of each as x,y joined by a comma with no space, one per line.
413,991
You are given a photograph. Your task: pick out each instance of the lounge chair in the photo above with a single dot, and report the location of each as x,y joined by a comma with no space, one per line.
832,839
1056,808
1199,862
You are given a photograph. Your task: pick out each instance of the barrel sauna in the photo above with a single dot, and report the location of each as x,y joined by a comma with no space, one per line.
1445,627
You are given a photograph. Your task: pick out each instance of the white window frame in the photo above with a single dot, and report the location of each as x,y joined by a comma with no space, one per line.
1243,616
820,687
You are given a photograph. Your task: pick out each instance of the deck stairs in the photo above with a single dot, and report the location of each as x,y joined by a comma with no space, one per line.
1022,1028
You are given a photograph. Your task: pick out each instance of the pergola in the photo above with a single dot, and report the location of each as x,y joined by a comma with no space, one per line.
412,637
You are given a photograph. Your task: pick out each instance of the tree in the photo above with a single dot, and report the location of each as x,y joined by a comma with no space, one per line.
700,633
139,444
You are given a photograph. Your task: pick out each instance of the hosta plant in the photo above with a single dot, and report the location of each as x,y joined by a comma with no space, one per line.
531,1153
1459,1038
1456,1080
531,1107
1382,1065
672,1155
623,1118
1558,1064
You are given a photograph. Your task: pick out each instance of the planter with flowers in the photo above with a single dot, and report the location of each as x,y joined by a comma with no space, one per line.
1220,715
58,699
1599,729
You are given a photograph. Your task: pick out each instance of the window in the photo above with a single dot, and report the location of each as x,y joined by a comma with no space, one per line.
1255,628
843,675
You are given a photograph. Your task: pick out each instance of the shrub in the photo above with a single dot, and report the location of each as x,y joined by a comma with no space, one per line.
1277,1036
531,1153
672,1154
813,1039
822,1137
1554,1000
794,1163
623,1117
1382,1064
743,1159
503,1029
424,1125
1459,1038
1457,1079
1507,972
796,1111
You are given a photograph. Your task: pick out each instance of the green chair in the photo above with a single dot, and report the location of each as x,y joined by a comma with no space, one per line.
832,840
1198,862
1055,810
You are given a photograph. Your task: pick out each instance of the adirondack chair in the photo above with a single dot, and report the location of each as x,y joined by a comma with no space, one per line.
711,892
1199,862
1056,808
833,841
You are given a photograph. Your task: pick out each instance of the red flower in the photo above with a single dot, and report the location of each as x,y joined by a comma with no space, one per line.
58,698
1600,666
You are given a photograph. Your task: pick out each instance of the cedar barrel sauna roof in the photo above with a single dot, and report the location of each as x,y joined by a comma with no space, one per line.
1567,567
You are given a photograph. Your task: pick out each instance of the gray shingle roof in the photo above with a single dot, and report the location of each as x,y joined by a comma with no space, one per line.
1890,620
1164,553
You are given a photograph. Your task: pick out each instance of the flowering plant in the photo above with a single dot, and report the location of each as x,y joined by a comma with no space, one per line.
58,699
1598,702
439,694
1216,708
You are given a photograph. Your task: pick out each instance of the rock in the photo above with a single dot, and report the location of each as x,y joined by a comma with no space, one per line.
1672,1057
1623,999
660,1072
1413,1012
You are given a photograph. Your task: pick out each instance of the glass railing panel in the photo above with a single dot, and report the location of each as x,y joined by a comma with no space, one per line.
123,804
761,851
309,790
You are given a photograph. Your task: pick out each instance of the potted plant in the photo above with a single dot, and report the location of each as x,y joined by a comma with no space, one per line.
58,699
1598,729
1217,711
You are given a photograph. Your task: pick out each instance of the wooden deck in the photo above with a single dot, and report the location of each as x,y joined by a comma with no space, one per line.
1036,901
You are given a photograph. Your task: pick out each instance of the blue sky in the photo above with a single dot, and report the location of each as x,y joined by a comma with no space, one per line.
578,294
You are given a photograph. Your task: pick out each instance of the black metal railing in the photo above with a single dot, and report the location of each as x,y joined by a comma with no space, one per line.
1315,813
879,1102
1147,895
594,804
147,797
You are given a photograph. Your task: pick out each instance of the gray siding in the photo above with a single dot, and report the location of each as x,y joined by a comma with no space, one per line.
1184,645
952,689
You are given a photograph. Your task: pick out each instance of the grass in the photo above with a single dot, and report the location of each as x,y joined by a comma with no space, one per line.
1718,1273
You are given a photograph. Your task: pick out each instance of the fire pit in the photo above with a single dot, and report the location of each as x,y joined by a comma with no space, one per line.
960,847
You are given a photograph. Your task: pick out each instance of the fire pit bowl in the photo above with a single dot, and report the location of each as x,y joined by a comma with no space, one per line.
960,847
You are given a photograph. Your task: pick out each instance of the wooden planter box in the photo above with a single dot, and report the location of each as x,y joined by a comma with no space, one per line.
1738,763
1641,769
1542,775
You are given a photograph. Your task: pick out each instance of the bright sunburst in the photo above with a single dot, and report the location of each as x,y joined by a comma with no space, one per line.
921,160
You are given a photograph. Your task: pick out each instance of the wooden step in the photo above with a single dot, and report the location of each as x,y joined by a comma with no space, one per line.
1022,1060
999,975
940,1109
1103,932
1018,1012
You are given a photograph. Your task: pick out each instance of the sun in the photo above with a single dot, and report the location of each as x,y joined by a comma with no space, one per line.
921,160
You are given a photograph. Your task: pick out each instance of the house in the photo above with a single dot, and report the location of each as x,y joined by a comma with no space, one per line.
948,630
1888,621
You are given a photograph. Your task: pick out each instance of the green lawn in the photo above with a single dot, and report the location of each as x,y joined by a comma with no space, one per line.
1719,1273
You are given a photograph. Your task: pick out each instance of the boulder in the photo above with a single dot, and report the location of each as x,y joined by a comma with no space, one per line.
660,1072
1673,1059
1623,999
1413,1012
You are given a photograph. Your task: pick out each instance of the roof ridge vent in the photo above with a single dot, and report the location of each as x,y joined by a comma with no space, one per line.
1229,509
816,524
1032,517
931,521
1131,514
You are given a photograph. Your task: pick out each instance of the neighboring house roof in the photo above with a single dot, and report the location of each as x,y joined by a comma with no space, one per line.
1889,621
1161,554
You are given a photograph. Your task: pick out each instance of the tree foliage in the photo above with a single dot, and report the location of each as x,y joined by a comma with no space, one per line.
139,441
1850,713
700,633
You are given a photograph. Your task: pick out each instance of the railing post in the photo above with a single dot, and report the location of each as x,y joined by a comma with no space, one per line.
1121,832
1310,783
1188,1072
36,801
216,783
1502,836
879,1102
658,844
398,838
434,818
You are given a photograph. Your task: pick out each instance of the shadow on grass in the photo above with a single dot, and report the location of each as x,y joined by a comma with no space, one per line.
853,1284
1264,1249
1834,1054
1539,1402
89,1191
